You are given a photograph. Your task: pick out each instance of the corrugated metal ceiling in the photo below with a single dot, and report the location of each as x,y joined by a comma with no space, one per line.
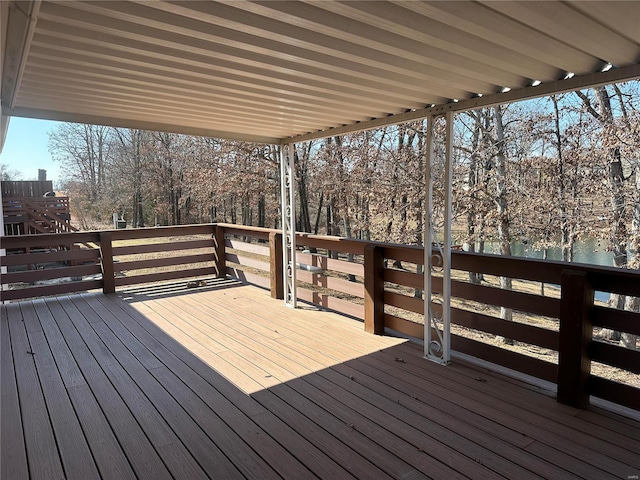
267,71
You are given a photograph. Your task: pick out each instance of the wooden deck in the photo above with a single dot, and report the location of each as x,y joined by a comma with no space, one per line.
224,382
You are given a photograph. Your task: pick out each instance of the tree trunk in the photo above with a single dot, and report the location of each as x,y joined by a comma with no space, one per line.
633,303
565,229
261,211
504,237
618,234
472,183
304,224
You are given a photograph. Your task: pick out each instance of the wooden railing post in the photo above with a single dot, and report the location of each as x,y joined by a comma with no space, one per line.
574,364
219,254
373,290
276,272
106,262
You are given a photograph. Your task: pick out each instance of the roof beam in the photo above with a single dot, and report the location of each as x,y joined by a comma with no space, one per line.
615,75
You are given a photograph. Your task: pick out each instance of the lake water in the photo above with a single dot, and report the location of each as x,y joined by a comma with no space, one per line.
591,251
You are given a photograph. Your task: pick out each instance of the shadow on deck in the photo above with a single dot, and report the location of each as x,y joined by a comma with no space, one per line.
224,382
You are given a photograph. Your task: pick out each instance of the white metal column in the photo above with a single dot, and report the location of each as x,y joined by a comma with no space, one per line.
3,252
288,208
437,253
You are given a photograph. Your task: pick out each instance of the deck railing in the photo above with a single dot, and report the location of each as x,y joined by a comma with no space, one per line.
36,215
375,282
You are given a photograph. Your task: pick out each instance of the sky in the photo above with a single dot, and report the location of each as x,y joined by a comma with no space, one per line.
26,148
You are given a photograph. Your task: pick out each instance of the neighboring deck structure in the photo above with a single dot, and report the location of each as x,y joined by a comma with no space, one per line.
224,382
27,208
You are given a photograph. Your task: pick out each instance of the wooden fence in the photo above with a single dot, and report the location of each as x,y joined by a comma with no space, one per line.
374,282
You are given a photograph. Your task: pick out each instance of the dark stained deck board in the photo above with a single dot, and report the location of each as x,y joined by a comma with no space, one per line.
141,455
138,407
41,449
218,305
13,457
465,392
105,449
552,472
316,461
172,375
204,418
554,417
452,416
601,417
458,461
210,458
76,456
439,425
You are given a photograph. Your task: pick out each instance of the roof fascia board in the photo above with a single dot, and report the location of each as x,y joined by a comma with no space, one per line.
136,124
614,75
19,34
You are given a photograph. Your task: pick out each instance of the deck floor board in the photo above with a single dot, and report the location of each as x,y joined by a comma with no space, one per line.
224,382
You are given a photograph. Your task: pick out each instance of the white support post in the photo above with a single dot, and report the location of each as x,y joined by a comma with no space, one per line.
288,207
427,236
437,254
3,252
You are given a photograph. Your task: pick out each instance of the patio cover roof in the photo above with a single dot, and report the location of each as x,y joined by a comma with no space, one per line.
273,71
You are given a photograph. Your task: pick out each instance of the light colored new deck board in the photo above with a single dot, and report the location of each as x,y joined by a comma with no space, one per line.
238,369
265,346
275,316
230,364
165,319
310,316
217,332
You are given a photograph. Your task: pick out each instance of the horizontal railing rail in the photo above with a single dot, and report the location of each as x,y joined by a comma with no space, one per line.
378,283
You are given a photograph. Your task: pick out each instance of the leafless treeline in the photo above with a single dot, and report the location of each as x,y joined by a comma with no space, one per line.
548,171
